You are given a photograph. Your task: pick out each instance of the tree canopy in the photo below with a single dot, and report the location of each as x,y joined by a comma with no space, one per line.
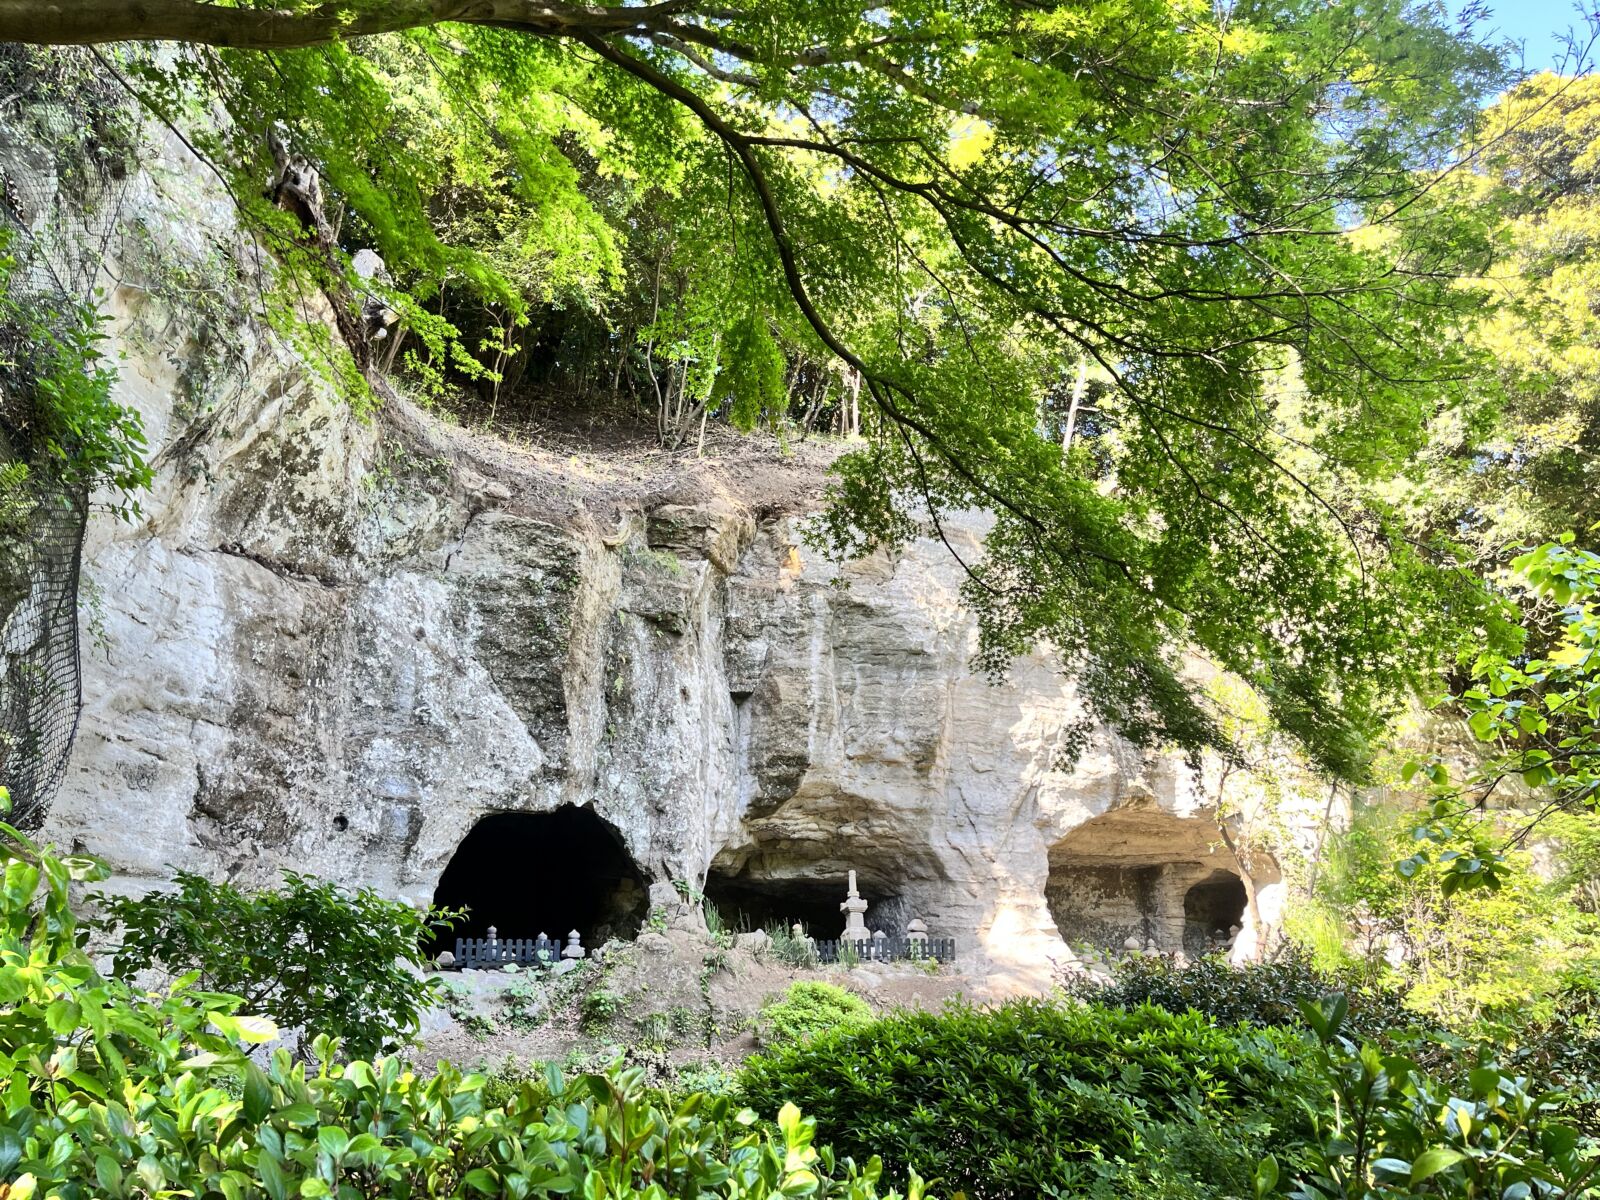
1244,226
1522,467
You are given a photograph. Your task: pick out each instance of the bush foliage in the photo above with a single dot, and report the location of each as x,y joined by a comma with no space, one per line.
312,956
807,1010
1386,1128
1267,993
1035,1099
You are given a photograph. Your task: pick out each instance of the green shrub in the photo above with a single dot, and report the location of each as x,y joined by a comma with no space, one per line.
1387,1129
1561,1048
653,1032
1032,1098
717,926
1269,993
122,1094
312,956
62,418
712,1077
516,1081
808,1009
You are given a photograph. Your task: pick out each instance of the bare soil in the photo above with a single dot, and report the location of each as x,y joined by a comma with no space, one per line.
564,457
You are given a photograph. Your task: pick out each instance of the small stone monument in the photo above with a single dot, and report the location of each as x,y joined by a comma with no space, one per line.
880,941
573,950
855,911
917,935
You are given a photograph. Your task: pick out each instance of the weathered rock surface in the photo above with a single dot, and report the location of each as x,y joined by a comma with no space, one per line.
332,644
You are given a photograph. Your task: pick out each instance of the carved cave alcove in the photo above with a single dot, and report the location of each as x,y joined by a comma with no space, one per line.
747,902
1143,872
551,872
1211,908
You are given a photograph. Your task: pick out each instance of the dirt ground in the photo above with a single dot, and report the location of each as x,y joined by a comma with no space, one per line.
565,459
670,1000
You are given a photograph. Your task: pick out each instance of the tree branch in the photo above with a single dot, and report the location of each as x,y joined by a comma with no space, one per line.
90,22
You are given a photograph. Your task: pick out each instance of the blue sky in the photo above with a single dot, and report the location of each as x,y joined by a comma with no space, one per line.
1538,24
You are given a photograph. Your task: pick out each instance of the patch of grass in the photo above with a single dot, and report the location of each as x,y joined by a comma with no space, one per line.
524,1004
663,561
784,947
599,1008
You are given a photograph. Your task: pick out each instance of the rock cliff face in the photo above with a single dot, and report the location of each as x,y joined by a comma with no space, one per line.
334,644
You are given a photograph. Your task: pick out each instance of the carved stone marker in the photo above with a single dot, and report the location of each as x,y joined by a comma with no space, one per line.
855,911
917,933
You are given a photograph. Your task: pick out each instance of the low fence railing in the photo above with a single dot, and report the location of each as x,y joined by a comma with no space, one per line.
528,952
887,949
498,952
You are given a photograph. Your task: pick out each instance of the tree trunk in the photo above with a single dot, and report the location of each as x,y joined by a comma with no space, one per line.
95,22
1072,409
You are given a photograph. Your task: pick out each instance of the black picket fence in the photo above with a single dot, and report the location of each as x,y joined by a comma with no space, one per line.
887,949
498,952
528,952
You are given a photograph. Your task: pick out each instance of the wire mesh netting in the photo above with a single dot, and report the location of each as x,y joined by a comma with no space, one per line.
41,540
59,203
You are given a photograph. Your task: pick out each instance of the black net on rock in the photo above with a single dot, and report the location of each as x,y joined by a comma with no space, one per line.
42,519
41,541
61,186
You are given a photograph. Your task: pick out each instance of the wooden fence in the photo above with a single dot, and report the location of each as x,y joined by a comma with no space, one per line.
497,952
887,949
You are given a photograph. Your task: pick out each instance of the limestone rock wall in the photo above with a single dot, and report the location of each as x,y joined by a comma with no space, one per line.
333,642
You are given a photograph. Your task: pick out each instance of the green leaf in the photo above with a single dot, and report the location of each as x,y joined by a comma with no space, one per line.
150,1172
1266,1176
272,1177
333,1140
254,1030
107,1173
62,1016
257,1094
1485,1081
1433,1160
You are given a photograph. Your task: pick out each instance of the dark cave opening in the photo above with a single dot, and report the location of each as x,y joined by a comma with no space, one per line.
533,873
747,903
1213,906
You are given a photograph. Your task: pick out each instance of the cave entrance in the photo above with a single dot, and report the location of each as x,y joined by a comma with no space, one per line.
1144,873
749,903
533,873
1211,908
